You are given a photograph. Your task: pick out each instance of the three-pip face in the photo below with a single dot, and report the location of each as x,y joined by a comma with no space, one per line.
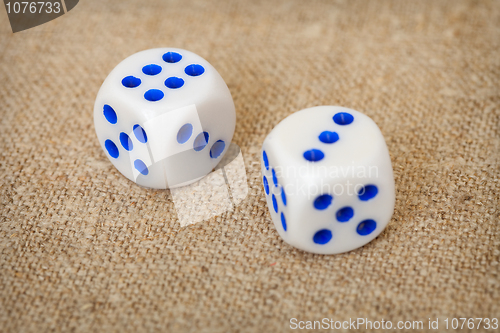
164,117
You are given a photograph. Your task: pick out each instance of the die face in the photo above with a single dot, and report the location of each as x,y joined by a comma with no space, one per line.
284,203
180,102
126,143
341,195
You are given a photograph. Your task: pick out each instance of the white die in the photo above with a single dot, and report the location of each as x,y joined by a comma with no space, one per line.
164,117
328,179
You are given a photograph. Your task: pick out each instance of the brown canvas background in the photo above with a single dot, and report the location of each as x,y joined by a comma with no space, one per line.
82,249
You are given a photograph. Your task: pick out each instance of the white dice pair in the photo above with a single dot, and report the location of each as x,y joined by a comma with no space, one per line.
165,118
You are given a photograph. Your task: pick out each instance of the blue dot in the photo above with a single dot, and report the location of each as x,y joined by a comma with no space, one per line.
174,82
323,201
275,179
314,155
140,134
283,196
343,118
266,185
194,70
266,161
217,149
111,148
345,214
328,137
366,227
322,237
172,57
126,141
367,192
151,69
131,82
109,114
275,204
283,221
141,167
154,95
184,133
201,141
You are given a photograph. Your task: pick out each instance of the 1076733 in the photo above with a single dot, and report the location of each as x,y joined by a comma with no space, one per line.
34,7
471,323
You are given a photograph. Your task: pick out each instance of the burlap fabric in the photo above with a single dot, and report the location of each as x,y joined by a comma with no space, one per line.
82,249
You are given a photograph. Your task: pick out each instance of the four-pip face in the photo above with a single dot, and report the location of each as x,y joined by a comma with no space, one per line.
164,117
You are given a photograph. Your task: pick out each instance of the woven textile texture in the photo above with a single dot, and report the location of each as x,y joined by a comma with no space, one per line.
83,249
